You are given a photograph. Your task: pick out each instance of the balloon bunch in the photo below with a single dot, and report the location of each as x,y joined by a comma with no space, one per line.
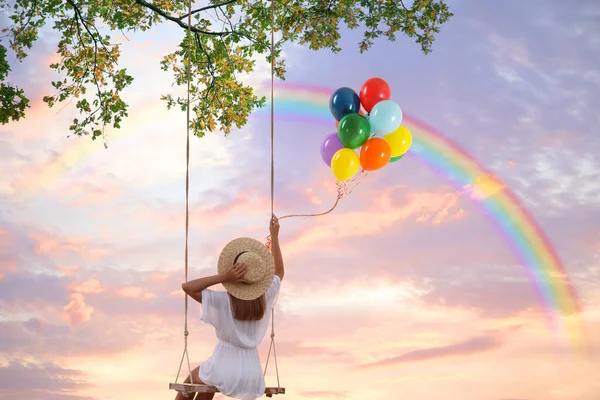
360,129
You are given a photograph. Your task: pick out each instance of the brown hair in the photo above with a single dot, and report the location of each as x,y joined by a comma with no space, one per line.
248,310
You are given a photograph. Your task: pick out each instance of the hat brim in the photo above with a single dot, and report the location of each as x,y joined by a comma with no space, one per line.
241,290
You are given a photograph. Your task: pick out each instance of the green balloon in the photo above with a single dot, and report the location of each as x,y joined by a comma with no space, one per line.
354,130
393,159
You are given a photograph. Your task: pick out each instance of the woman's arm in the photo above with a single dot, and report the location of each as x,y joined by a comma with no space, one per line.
194,288
278,258
276,248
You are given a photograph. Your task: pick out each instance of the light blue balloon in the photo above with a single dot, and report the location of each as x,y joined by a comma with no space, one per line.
385,117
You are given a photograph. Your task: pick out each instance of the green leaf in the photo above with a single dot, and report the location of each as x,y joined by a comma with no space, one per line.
226,37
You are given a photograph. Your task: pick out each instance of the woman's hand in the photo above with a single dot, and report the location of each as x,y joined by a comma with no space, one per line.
275,248
235,273
274,227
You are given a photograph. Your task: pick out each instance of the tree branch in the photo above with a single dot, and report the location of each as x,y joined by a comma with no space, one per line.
79,16
207,8
209,66
178,21
29,17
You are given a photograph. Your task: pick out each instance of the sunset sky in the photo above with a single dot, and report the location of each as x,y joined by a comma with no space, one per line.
406,291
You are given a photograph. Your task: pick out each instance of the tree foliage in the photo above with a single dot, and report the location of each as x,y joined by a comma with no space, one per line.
12,99
227,35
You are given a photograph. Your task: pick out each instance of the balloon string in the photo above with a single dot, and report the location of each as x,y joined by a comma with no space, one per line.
343,189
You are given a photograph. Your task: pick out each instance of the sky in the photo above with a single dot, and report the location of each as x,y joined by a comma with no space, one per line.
406,290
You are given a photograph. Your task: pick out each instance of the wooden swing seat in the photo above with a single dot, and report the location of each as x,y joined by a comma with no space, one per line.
197,388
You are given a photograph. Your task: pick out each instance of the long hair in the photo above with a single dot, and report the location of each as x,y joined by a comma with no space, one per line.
248,310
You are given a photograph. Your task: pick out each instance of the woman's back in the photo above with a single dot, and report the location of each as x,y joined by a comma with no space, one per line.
235,364
216,310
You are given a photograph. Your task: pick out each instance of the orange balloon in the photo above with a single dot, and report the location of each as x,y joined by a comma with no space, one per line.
375,154
337,123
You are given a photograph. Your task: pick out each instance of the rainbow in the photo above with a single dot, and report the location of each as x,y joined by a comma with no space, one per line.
523,235
310,104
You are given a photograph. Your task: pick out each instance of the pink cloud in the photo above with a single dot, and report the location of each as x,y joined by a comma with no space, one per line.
8,265
90,195
246,203
103,336
51,381
45,176
68,270
52,58
467,347
297,349
30,130
6,247
112,293
561,138
52,245
324,394
77,310
389,208
134,292
158,277
89,286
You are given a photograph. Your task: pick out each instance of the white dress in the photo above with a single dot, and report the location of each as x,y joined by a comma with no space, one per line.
234,367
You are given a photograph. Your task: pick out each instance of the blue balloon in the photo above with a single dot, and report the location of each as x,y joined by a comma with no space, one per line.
385,117
344,101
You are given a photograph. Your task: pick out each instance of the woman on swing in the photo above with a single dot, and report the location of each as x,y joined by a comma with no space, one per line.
251,276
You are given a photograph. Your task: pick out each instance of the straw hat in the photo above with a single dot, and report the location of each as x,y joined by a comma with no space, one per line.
261,267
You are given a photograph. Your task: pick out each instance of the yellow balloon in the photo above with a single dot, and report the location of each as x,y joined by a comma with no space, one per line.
345,164
400,141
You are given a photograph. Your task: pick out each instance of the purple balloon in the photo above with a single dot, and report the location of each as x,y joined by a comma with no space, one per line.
331,144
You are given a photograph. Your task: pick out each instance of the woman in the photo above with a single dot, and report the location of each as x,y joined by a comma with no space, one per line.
251,276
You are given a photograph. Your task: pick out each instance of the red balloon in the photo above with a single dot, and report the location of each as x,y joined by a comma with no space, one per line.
375,154
373,91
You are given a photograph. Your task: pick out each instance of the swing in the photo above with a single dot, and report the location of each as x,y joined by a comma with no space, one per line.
190,388
343,189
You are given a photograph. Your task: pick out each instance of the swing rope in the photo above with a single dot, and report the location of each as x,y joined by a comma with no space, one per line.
272,345
187,195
